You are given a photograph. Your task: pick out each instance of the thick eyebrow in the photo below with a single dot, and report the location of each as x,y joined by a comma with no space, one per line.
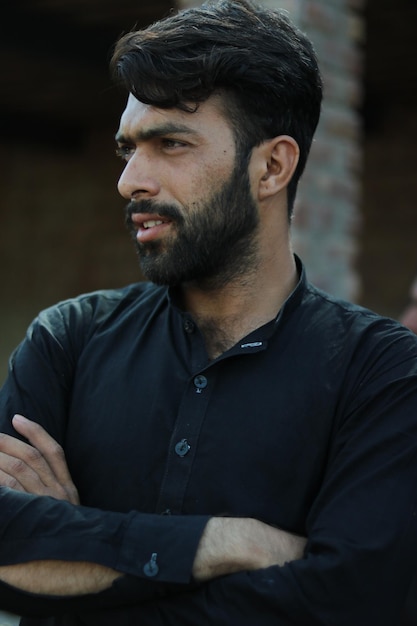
154,132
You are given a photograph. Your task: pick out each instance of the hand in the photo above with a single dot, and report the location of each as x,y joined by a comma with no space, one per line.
38,467
231,545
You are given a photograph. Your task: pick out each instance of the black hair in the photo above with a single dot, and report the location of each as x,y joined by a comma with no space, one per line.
264,67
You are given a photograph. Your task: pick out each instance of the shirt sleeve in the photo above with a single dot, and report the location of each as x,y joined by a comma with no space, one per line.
151,548
362,528
153,551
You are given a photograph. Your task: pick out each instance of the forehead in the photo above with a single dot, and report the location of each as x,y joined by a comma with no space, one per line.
207,119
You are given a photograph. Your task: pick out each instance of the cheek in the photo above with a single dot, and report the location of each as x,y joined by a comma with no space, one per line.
194,178
198,190
213,174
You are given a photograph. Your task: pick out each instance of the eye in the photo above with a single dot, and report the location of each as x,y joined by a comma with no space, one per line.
124,152
172,144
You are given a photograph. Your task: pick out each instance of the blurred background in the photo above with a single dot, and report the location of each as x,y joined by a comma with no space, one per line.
61,220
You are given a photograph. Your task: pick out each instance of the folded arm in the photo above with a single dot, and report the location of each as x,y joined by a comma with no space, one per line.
361,553
227,545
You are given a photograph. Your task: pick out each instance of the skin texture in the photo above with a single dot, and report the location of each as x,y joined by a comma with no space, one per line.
179,159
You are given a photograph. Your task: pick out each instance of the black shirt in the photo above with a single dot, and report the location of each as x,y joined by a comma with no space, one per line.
309,423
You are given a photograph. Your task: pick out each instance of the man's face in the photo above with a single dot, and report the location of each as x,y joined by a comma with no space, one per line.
191,209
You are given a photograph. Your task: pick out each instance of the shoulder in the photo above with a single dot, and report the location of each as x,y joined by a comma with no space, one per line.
358,333
89,311
322,317
348,316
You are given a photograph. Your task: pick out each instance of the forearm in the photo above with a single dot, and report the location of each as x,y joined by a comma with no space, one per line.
299,593
230,545
127,592
59,578
227,545
58,557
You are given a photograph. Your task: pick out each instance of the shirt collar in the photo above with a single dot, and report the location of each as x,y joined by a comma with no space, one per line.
296,295
257,340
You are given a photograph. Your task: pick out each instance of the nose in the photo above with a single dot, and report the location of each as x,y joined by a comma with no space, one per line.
136,179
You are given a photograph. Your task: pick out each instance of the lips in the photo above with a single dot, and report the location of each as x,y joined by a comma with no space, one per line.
149,226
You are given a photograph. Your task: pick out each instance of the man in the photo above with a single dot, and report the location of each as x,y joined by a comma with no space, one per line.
215,416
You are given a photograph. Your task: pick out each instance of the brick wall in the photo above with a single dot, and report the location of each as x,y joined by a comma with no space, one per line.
327,218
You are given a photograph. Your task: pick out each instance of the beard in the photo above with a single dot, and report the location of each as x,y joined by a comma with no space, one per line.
214,240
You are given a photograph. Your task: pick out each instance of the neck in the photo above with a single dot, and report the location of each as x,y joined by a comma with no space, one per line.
227,313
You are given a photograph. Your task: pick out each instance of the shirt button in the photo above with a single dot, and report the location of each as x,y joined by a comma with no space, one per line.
189,326
200,382
166,512
182,447
151,568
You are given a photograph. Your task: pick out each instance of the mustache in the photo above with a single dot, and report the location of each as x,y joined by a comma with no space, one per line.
149,206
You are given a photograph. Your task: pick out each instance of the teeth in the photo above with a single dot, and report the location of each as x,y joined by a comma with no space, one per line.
151,223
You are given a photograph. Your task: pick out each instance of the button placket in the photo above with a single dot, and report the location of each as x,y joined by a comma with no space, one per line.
183,444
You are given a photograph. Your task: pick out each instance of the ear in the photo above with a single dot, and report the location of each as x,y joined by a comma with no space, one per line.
278,158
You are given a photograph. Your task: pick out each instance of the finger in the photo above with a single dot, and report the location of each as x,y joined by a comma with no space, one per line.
16,474
51,454
10,481
19,475
49,449
24,455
